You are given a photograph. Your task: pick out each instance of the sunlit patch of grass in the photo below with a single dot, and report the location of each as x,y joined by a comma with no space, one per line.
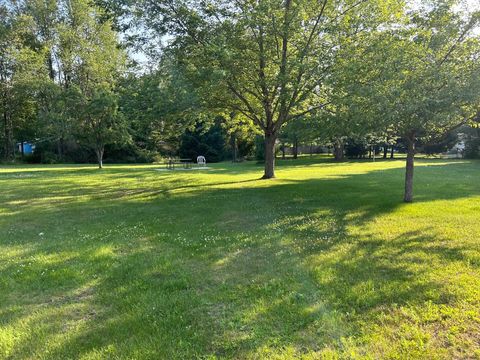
324,261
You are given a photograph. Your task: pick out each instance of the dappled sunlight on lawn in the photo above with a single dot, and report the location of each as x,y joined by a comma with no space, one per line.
325,260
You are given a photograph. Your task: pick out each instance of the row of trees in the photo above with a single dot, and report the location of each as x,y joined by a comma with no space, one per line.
349,68
60,62
68,85
292,70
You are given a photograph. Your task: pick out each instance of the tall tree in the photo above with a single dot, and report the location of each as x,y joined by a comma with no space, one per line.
100,122
44,15
6,73
160,105
430,78
299,131
266,60
90,63
21,75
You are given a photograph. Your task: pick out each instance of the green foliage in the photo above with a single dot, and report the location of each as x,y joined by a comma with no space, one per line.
57,55
302,71
267,61
99,121
208,141
356,148
160,106
417,80
300,131
259,148
472,140
472,149
449,140
430,81
21,76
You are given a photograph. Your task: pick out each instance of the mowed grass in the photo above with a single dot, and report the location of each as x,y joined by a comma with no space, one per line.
323,262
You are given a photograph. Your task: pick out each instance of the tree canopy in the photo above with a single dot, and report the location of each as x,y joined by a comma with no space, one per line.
324,71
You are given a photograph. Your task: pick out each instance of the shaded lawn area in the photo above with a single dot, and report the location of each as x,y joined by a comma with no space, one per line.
323,262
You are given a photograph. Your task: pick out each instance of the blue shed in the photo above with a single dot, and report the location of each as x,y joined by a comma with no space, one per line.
28,148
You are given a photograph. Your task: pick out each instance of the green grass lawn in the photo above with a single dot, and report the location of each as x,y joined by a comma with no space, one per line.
323,262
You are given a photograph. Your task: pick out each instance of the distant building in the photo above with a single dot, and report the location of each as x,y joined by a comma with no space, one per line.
28,148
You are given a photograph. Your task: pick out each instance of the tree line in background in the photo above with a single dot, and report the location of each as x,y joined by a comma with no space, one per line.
237,79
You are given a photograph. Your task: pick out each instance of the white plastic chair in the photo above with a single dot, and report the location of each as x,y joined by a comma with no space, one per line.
201,160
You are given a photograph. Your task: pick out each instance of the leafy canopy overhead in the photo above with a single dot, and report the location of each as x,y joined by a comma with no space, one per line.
266,60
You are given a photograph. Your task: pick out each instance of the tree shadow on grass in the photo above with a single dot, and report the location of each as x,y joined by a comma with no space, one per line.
228,271
60,188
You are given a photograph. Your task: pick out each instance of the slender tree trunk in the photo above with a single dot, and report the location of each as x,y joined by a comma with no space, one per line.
60,148
5,131
234,148
295,149
338,150
8,136
22,149
385,151
270,139
99,153
409,169
392,155
283,151
311,150
51,72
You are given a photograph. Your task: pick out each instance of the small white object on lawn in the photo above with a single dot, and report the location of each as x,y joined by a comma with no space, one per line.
201,160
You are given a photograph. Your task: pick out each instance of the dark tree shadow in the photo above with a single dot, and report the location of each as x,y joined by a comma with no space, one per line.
267,266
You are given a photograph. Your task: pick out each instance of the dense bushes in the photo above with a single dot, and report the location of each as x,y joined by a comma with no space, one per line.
472,147
209,142
356,149
259,148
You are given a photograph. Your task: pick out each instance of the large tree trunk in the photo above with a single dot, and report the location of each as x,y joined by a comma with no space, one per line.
338,150
270,139
408,197
392,152
99,153
385,151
